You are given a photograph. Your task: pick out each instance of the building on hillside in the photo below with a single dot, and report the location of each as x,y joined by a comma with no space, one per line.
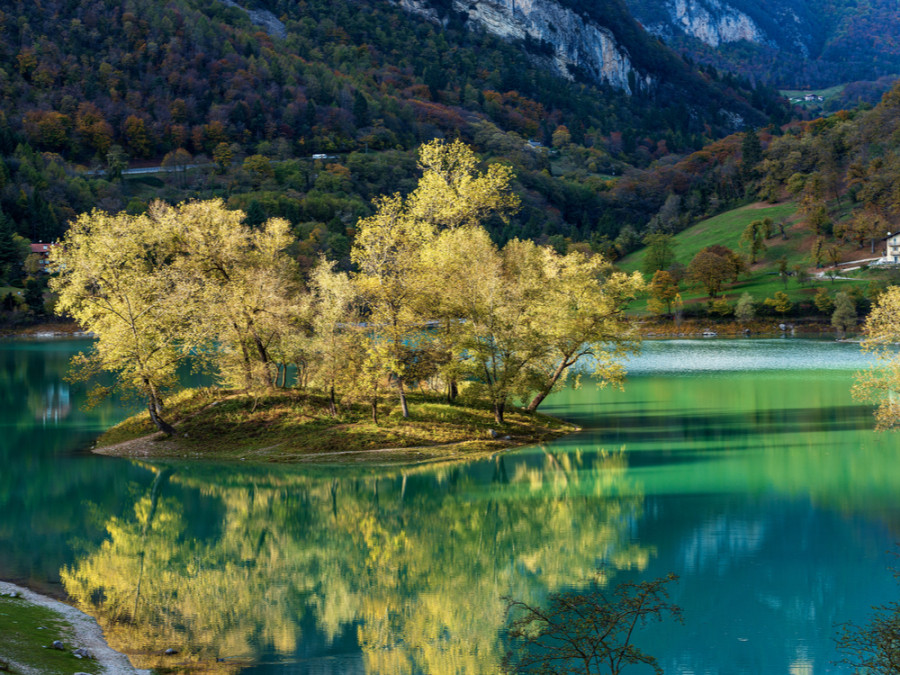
43,252
891,250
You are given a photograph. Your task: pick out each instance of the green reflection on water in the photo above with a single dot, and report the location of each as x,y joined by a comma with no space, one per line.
45,475
414,562
766,490
797,433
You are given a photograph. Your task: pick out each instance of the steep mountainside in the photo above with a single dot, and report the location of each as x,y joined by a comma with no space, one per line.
597,42
787,43
566,41
251,89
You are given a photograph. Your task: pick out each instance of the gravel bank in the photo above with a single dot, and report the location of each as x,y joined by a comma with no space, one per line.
87,633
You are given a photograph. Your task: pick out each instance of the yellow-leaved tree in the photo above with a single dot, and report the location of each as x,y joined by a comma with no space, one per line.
112,276
179,280
516,321
249,291
336,338
452,192
881,383
400,290
504,337
387,253
582,312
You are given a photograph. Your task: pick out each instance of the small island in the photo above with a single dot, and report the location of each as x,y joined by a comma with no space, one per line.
421,350
291,426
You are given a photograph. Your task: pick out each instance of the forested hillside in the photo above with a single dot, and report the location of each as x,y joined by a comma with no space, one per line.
833,192
101,84
788,43
844,169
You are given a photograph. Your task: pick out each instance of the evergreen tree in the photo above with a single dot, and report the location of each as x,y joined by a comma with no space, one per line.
360,109
34,295
751,151
10,251
256,214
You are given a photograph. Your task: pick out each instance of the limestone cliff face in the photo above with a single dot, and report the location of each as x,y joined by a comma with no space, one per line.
718,22
713,22
576,42
262,18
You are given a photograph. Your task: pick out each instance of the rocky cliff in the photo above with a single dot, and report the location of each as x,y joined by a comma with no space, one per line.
569,41
789,43
710,21
262,18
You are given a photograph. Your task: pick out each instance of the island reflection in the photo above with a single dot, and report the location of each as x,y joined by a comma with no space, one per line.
405,571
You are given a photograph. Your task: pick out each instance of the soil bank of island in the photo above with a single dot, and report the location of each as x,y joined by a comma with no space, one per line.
292,426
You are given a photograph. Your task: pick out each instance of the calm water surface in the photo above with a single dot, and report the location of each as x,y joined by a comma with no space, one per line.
742,466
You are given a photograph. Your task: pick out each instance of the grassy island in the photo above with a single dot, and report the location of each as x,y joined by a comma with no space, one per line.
293,426
430,303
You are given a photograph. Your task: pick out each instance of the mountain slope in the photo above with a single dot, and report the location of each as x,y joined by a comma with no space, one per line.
101,83
788,43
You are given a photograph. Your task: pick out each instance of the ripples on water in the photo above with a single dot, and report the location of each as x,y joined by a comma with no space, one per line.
685,356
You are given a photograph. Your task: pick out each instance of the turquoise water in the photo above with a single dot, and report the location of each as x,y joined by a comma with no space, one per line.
742,466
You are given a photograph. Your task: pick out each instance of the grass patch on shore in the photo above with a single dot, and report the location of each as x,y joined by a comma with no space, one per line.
294,426
27,632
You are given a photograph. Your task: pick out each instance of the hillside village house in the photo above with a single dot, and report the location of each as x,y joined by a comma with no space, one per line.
891,250
43,252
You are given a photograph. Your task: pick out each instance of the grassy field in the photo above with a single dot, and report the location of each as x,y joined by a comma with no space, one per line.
293,426
763,279
26,632
827,94
724,229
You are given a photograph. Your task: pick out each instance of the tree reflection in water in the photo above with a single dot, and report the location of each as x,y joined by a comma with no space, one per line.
411,564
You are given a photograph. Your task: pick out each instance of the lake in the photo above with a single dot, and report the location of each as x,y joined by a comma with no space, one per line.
744,467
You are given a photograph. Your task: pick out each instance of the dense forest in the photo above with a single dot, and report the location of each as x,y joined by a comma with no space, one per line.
844,170
801,43
834,189
90,87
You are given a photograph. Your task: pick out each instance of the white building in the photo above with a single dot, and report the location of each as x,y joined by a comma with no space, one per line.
891,250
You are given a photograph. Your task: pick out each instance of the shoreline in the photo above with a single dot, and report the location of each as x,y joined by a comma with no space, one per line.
296,427
86,633
652,329
695,328
47,330
147,447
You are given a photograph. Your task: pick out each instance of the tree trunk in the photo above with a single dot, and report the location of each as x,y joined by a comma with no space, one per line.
264,357
301,376
334,490
454,391
154,407
403,405
160,423
498,412
248,368
332,406
547,388
537,400
154,501
375,410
